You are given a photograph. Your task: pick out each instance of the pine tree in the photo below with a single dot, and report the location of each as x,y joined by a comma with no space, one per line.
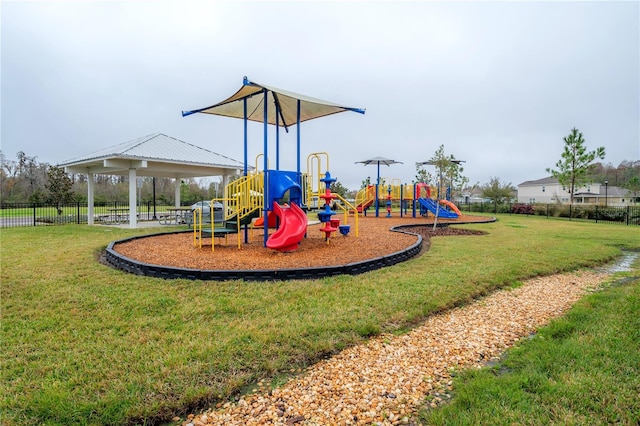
571,170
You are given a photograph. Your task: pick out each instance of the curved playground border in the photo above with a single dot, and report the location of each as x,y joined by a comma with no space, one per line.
126,264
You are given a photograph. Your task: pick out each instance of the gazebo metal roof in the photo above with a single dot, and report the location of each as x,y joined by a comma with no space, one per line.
155,155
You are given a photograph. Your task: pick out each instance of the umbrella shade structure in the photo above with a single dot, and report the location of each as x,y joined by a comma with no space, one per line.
289,105
378,161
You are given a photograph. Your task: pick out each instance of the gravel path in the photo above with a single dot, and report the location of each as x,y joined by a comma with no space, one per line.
387,379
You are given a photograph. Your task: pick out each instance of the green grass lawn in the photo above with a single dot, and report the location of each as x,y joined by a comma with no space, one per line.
85,344
583,368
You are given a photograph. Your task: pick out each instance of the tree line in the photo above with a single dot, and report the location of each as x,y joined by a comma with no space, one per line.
26,180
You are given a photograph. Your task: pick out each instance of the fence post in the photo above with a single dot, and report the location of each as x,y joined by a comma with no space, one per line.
78,210
34,214
596,213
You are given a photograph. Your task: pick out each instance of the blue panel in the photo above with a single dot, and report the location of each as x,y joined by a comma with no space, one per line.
279,182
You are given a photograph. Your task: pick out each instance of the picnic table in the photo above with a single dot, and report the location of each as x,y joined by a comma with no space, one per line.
175,216
116,216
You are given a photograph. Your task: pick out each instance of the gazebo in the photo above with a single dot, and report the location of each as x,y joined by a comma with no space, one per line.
155,155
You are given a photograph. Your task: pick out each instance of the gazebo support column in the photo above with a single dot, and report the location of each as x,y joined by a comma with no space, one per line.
133,217
90,198
177,192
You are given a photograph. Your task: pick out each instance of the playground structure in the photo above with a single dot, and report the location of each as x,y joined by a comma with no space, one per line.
244,205
244,200
417,195
282,197
252,103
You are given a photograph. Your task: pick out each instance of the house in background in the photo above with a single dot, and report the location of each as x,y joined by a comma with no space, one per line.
470,196
548,190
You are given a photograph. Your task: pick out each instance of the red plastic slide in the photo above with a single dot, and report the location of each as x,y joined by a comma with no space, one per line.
293,225
271,218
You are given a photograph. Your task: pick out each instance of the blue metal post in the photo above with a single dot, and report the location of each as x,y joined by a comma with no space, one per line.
389,201
377,185
415,200
246,143
298,137
246,160
277,136
265,196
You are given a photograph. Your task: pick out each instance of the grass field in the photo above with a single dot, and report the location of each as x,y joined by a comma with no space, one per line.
85,344
583,368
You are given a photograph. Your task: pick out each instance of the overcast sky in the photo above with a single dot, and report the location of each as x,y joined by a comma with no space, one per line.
499,84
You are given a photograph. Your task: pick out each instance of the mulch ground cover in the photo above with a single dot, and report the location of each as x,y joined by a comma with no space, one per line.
374,239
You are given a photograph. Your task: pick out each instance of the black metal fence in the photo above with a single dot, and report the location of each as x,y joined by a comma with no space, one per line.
40,214
627,215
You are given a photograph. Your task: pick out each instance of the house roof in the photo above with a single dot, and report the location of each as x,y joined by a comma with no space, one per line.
156,155
544,181
610,192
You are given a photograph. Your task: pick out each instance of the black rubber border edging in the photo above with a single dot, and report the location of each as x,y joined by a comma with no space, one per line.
132,266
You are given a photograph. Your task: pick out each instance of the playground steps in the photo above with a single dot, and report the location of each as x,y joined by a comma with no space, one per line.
244,220
218,232
228,226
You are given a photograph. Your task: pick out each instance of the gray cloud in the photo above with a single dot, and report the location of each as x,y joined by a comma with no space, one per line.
498,83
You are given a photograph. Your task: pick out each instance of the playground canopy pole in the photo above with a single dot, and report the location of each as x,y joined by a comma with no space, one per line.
265,191
277,138
415,199
298,136
246,142
377,186
246,170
